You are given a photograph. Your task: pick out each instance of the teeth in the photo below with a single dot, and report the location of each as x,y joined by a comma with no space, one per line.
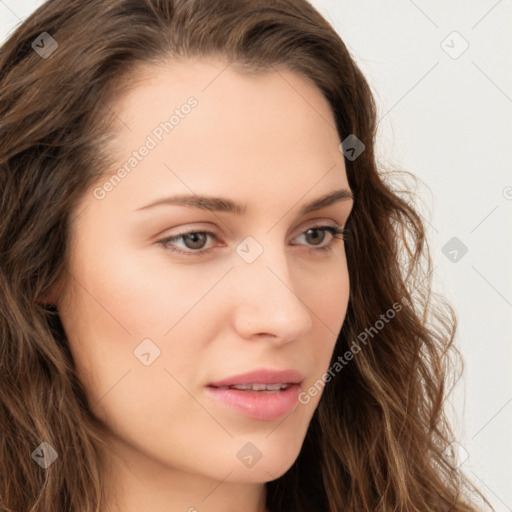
272,387
242,386
260,387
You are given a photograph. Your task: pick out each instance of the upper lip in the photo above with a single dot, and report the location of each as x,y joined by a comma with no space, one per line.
262,376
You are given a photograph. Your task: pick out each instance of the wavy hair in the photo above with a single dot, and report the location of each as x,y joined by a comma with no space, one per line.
379,437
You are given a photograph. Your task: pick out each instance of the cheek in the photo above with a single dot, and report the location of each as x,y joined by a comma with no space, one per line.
123,315
328,301
138,294
328,298
117,309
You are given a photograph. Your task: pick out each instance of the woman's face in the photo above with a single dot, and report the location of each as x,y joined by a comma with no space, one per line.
151,328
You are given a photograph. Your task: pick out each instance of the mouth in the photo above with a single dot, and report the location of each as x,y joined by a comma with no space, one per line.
262,394
257,388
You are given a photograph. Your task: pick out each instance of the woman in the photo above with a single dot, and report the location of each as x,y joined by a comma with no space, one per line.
173,335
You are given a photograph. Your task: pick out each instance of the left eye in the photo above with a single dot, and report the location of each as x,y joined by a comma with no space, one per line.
195,240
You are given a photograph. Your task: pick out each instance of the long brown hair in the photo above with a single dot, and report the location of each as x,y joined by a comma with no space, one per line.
379,437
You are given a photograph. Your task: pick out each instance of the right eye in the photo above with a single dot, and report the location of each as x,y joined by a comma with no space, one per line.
195,239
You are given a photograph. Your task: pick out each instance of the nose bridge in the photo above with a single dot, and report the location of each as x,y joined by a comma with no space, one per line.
267,294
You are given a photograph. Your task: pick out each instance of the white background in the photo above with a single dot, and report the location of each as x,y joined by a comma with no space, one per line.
447,119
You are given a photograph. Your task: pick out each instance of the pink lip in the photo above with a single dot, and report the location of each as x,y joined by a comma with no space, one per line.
259,405
262,376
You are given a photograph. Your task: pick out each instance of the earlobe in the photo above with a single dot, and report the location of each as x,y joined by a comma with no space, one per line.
53,297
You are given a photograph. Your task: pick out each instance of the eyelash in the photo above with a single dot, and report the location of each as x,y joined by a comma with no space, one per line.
335,231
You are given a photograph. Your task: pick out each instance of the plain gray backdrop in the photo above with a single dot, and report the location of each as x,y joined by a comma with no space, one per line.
442,79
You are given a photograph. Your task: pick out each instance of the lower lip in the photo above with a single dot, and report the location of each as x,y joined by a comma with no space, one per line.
258,405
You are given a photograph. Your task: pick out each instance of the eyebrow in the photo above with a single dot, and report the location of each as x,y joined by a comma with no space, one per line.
220,204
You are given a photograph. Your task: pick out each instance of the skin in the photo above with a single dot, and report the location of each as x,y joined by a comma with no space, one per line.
266,141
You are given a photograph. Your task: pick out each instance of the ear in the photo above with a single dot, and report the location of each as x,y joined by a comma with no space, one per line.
53,297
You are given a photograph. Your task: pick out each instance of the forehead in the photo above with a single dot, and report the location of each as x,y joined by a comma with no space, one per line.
277,103
211,128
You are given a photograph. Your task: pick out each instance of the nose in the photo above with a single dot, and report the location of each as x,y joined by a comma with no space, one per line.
269,304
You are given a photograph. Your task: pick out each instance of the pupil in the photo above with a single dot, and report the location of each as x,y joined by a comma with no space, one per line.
316,230
196,238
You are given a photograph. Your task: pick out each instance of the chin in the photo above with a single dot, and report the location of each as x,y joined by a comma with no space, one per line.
272,462
259,474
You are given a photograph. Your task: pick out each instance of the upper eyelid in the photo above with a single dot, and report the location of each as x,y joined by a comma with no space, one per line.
299,231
